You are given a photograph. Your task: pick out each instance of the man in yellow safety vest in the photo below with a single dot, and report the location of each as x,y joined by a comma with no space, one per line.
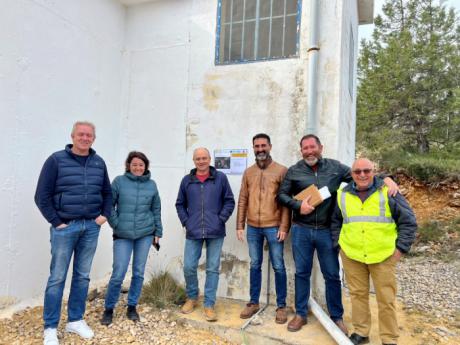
373,231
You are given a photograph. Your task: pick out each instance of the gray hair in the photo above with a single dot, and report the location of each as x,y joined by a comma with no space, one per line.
201,148
83,123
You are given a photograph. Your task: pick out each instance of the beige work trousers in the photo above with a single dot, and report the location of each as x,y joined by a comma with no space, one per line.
383,276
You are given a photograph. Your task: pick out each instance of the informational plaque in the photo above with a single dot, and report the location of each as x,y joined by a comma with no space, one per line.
231,161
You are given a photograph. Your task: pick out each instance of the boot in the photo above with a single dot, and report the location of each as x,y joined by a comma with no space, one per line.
132,314
107,317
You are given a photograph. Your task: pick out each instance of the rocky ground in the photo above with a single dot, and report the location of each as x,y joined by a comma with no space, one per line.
429,278
430,291
155,327
431,286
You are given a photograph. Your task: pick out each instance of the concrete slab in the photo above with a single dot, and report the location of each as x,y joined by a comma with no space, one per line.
267,333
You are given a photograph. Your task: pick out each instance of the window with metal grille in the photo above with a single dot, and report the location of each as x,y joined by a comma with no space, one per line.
250,30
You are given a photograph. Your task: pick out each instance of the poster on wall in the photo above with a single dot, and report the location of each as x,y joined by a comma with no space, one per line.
231,161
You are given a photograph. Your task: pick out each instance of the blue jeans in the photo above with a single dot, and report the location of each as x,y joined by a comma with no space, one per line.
304,242
122,250
79,239
192,254
256,238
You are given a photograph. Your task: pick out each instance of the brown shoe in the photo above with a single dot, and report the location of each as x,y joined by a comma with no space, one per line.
341,325
249,310
296,323
188,306
281,315
210,314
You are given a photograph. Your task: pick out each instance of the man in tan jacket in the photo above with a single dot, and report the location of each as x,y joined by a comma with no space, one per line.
266,219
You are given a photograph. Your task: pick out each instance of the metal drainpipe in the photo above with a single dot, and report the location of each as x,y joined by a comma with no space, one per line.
313,54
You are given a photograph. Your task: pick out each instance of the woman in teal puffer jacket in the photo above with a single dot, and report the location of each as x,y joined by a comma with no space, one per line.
136,223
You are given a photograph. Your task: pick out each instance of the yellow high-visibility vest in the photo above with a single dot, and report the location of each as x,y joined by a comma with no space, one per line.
368,232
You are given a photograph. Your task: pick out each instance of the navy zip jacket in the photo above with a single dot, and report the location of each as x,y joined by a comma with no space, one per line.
72,187
204,207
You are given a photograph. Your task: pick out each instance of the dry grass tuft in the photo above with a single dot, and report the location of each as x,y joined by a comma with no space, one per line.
163,291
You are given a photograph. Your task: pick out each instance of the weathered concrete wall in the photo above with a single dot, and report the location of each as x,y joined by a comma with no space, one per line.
172,76
155,109
349,51
59,62
146,76
223,107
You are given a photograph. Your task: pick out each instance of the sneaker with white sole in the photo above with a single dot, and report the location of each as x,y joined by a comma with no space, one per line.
50,337
80,328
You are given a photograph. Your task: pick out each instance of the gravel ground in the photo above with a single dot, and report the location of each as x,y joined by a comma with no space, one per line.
155,327
430,286
425,284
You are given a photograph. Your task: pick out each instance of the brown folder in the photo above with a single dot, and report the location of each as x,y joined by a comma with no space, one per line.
312,191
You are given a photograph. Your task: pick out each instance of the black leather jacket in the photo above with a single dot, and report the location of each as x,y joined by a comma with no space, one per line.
330,173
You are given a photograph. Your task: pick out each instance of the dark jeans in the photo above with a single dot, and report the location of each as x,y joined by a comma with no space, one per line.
256,238
304,242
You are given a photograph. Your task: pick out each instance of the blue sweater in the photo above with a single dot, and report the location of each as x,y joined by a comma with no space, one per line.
73,187
136,207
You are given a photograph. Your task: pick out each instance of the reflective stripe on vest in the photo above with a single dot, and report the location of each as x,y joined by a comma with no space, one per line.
368,231
369,219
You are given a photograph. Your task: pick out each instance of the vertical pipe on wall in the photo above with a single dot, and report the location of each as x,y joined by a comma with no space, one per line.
313,52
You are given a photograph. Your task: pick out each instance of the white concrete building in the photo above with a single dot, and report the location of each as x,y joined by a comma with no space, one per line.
163,77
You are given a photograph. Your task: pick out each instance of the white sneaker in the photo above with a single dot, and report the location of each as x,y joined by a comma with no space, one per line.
50,337
81,328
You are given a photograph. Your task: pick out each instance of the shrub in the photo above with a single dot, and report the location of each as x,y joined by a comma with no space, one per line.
432,167
162,291
431,231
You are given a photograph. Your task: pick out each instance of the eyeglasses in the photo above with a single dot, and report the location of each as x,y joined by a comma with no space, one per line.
359,171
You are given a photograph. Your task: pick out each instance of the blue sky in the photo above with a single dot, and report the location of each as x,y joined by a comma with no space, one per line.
365,31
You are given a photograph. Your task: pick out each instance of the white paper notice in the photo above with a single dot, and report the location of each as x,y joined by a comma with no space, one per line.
324,192
232,162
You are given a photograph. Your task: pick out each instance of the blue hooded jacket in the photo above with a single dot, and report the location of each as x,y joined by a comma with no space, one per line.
204,207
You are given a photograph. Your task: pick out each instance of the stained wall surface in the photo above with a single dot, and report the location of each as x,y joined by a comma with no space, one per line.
146,76
222,107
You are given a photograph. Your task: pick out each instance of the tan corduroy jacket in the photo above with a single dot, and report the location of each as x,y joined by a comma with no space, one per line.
257,203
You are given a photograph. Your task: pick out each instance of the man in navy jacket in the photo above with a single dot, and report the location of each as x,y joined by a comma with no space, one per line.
204,203
74,195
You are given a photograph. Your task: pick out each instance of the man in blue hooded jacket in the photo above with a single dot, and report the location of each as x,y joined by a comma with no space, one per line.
74,195
204,203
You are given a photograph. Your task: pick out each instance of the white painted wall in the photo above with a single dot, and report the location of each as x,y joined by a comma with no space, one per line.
347,118
146,76
59,62
223,107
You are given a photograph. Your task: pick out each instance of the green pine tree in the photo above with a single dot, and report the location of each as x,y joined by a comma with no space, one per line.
409,79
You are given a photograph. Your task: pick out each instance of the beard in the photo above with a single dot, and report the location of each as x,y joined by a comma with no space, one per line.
311,160
262,156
